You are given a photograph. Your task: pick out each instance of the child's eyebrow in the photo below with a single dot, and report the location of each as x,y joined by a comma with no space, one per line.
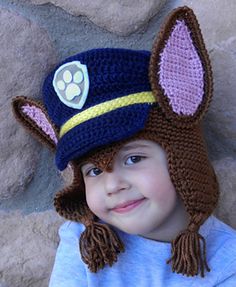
82,164
133,146
123,149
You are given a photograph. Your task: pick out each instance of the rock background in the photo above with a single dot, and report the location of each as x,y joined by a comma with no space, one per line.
33,38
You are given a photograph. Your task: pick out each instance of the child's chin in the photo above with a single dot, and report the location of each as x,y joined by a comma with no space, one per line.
134,230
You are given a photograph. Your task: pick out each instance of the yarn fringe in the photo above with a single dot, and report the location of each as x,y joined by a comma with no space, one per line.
99,245
188,257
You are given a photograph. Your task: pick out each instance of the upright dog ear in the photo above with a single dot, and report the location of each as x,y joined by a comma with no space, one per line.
33,116
180,71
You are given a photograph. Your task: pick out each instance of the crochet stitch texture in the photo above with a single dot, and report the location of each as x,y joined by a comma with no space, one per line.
113,74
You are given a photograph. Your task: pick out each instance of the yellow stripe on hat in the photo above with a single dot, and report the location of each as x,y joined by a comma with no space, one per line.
106,107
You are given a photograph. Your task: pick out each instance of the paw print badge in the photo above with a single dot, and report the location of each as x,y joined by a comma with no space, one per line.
71,83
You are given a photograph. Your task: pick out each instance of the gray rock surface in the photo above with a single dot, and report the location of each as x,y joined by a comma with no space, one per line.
122,17
216,18
26,54
222,114
28,247
225,170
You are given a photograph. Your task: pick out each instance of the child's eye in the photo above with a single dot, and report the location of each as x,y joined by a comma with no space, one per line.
133,159
94,172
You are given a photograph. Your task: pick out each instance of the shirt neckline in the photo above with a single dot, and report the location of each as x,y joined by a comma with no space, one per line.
204,230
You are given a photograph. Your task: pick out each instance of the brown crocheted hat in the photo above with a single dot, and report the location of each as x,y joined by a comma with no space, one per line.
181,81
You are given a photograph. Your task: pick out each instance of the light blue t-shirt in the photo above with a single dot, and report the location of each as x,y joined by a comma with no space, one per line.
143,264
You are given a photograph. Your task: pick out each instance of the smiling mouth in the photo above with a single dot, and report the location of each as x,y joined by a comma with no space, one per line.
122,208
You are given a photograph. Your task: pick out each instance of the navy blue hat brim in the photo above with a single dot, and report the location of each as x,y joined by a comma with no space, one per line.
111,127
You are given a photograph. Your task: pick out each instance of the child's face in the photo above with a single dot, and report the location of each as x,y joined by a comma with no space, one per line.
137,196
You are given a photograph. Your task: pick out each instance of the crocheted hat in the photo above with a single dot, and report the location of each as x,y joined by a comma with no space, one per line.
98,100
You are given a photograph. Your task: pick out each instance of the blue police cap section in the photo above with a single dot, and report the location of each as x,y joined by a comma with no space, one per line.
106,129
112,73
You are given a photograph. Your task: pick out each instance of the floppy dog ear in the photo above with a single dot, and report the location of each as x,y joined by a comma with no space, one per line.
180,71
33,116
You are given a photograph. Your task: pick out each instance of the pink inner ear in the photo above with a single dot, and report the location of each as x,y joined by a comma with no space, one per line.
35,114
181,71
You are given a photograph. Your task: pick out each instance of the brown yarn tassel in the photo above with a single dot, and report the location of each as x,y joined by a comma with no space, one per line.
187,256
99,245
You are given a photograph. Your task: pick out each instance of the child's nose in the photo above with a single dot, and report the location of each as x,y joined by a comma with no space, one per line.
115,182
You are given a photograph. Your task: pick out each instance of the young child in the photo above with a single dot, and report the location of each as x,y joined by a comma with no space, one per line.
141,202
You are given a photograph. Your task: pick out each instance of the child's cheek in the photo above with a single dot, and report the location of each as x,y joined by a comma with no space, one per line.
160,189
95,202
166,196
